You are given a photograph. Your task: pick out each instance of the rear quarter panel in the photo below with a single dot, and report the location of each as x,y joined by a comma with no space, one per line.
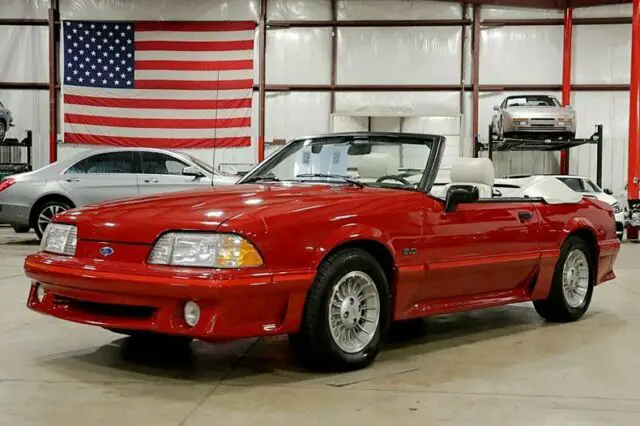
558,221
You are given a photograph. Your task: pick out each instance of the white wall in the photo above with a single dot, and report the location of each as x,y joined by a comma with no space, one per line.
509,55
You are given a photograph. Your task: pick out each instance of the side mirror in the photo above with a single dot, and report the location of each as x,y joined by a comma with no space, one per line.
192,171
608,191
496,108
458,194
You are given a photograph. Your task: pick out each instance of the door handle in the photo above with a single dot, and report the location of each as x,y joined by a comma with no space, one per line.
153,180
72,180
524,216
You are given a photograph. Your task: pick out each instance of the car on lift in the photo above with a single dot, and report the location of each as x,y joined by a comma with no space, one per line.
580,184
328,240
533,117
6,121
30,200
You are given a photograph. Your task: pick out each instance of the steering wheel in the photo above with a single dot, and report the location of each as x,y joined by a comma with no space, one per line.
393,177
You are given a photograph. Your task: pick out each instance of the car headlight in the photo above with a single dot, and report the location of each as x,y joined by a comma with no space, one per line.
520,121
60,238
617,208
206,250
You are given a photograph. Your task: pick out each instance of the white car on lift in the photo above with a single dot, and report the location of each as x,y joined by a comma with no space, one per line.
580,184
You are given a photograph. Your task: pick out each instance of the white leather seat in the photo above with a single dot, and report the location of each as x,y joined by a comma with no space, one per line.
473,171
374,166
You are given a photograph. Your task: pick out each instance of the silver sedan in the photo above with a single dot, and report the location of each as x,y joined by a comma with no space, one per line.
31,200
533,116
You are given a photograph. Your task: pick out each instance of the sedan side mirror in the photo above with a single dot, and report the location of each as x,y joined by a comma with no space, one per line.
458,194
608,191
496,108
192,171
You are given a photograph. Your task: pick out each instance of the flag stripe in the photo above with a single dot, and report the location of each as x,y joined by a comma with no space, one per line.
230,142
172,104
200,46
194,26
194,36
194,75
149,55
194,65
157,123
164,113
159,94
194,85
138,132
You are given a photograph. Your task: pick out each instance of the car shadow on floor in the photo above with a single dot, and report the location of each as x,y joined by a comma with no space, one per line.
268,361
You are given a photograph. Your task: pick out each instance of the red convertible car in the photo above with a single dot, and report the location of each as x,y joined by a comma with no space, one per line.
328,240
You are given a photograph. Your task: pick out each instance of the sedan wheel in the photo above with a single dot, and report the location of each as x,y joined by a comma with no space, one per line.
3,131
346,313
46,213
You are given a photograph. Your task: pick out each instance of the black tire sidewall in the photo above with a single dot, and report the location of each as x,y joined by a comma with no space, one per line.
349,261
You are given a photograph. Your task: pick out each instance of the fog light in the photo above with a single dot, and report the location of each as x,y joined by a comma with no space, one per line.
191,313
39,293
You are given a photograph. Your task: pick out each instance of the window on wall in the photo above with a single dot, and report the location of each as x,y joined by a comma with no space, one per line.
109,163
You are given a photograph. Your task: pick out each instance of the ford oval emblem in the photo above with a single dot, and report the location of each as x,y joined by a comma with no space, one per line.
106,251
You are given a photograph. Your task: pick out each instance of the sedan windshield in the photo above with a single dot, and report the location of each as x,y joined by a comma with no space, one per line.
394,162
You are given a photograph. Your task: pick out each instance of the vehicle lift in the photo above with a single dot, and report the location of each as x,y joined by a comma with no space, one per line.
512,144
7,169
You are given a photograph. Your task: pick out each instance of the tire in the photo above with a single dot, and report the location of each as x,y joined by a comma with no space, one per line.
21,229
44,211
315,344
559,306
3,130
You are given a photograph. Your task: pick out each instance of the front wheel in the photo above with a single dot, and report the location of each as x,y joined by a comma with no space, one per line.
346,314
3,130
572,286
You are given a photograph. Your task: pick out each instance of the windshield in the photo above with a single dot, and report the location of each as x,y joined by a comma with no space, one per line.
379,161
532,100
207,167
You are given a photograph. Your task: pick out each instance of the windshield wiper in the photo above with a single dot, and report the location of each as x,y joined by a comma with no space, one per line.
325,175
262,179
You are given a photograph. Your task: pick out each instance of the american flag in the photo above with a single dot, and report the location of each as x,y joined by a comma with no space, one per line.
158,84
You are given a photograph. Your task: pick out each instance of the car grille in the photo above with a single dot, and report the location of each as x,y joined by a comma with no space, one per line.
542,122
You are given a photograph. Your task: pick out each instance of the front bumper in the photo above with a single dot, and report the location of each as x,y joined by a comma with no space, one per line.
139,297
14,215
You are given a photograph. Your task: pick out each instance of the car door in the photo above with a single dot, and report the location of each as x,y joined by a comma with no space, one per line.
101,177
162,173
484,247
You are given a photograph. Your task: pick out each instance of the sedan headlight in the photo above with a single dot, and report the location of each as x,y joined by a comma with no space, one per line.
60,238
617,208
205,250
520,121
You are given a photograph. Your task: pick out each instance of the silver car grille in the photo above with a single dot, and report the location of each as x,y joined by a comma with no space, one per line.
542,122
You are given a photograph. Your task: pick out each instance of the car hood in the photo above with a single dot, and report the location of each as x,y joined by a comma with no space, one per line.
142,219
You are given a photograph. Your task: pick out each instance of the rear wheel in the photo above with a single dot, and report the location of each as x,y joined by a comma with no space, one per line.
572,285
44,213
346,313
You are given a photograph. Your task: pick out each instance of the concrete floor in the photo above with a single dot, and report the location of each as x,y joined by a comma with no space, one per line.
480,368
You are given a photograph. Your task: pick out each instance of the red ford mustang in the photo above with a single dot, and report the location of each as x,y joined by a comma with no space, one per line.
328,240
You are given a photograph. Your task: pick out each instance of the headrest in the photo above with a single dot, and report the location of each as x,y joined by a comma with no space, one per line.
473,170
373,166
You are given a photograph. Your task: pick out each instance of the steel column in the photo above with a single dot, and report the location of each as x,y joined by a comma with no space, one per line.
566,77
634,120
262,76
53,80
475,83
